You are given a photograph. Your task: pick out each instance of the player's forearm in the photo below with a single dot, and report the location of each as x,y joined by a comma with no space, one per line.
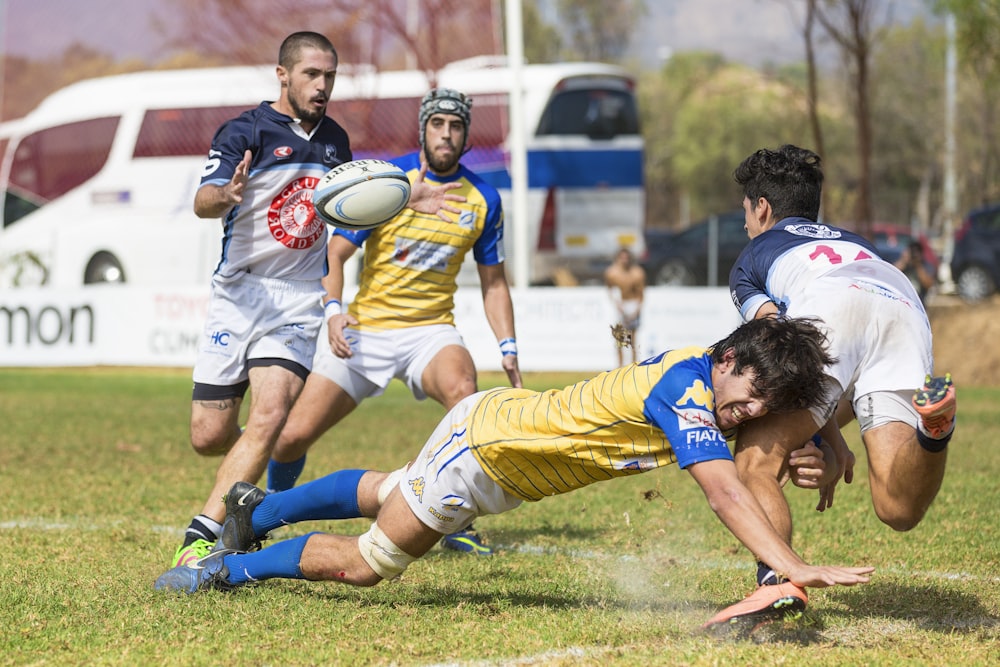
212,201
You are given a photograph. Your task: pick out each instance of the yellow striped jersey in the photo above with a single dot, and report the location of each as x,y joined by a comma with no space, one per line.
621,422
411,263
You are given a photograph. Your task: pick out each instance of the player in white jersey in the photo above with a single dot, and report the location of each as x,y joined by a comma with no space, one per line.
500,448
878,332
265,309
401,322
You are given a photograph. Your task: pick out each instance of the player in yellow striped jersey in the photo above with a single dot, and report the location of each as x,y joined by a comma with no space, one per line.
499,448
401,323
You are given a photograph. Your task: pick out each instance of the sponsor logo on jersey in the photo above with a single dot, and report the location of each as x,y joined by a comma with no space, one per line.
417,486
291,218
330,155
697,394
453,503
695,418
467,220
422,255
813,230
281,152
638,464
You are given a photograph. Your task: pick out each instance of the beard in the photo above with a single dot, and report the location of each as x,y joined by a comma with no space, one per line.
439,164
308,114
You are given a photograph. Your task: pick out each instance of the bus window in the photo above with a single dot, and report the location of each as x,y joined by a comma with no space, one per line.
598,113
49,163
181,132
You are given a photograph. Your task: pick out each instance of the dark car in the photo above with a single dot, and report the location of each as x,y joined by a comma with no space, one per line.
682,258
975,262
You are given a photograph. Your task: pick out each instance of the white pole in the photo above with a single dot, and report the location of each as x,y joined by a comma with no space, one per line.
950,196
517,217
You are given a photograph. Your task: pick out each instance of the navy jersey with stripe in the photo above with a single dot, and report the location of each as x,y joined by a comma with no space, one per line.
275,231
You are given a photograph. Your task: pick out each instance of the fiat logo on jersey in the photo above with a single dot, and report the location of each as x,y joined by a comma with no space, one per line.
282,152
291,217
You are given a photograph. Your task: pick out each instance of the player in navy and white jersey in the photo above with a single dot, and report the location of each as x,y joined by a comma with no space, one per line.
264,311
401,322
497,449
878,331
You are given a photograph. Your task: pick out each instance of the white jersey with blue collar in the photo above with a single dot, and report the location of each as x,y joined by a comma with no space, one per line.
784,264
275,232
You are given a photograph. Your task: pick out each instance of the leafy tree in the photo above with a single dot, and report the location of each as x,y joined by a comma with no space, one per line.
600,29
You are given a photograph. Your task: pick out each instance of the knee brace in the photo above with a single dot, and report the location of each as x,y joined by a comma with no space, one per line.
382,555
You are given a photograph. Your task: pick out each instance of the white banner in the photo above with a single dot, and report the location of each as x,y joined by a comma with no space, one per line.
558,329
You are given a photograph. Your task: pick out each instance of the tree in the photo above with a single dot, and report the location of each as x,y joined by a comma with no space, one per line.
849,24
600,29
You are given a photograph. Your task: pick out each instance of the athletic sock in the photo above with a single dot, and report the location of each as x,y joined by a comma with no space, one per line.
279,560
767,576
930,444
282,476
202,528
332,497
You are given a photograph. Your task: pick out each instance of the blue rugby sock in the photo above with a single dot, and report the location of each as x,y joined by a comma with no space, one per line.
282,476
332,497
279,560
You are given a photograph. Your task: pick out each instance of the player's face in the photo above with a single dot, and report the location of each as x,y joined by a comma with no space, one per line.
443,142
751,220
735,401
310,83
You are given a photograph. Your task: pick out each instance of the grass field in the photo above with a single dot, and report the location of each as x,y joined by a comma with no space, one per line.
98,482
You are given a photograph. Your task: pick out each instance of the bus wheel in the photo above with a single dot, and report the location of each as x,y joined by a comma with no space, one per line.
103,268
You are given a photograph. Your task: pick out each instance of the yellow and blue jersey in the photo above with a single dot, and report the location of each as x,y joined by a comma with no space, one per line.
621,422
411,263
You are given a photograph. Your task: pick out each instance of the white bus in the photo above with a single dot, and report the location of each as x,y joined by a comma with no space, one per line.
98,181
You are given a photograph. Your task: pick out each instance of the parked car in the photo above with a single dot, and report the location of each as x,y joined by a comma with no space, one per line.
682,258
975,262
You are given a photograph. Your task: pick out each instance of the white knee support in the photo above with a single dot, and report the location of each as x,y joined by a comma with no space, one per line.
382,555
389,484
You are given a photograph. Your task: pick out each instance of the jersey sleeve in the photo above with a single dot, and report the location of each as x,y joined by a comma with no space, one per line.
231,140
748,284
488,248
682,405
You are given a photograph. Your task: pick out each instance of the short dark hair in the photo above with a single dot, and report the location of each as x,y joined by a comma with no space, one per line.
291,48
788,357
790,179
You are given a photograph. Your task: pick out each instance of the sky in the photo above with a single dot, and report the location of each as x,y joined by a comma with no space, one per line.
751,31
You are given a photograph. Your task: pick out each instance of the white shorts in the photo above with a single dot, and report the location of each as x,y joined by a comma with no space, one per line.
882,342
445,485
251,317
380,356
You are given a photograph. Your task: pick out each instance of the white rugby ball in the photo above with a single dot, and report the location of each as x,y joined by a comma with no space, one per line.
361,194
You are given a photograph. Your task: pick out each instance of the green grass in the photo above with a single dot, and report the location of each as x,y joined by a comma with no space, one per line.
98,482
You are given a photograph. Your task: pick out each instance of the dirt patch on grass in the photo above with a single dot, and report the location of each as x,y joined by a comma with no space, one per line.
966,340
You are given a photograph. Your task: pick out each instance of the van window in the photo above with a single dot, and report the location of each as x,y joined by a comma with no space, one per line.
49,163
181,132
598,113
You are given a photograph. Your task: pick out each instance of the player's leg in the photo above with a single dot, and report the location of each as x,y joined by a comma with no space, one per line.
905,466
273,390
215,425
449,377
321,405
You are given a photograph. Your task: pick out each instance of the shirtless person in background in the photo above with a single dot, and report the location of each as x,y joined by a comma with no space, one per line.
626,282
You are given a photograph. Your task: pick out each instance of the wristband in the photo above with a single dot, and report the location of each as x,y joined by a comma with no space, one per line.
331,308
508,346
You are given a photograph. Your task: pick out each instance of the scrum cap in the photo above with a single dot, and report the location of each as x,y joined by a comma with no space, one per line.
445,100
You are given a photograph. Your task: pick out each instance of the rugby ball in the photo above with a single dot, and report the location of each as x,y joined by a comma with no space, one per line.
361,194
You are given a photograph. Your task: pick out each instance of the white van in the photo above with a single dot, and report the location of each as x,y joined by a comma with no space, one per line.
98,181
